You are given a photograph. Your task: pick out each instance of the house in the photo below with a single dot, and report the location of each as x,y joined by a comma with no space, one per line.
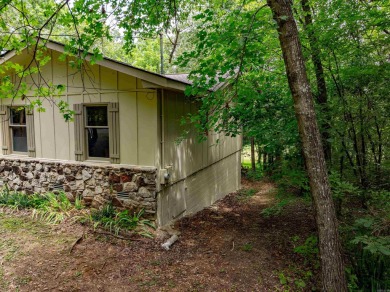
121,145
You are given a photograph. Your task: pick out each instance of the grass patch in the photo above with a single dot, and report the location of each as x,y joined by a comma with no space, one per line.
8,249
3,283
12,224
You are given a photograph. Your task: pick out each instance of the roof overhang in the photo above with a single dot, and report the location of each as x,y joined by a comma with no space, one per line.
150,79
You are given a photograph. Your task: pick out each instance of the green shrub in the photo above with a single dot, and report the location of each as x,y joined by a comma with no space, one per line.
55,209
50,207
117,221
276,209
369,253
341,191
254,175
309,250
20,200
292,180
378,204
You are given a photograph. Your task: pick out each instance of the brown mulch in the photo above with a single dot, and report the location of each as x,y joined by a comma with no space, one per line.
229,246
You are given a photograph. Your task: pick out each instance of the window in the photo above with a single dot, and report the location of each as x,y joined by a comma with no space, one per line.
18,129
97,132
96,128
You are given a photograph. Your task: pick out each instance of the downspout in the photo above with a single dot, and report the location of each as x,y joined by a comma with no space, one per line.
162,133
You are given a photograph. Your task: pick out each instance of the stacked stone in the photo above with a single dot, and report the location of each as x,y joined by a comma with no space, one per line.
96,184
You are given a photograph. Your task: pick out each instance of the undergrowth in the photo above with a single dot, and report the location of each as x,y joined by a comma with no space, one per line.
301,277
54,208
50,207
115,221
365,231
245,194
276,209
364,216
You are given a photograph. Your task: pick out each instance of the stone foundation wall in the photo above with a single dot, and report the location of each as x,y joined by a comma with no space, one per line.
127,187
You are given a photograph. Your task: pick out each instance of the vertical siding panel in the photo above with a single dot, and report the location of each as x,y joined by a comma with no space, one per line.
126,82
60,70
147,128
128,128
167,129
62,137
109,97
74,81
91,77
108,79
47,130
91,97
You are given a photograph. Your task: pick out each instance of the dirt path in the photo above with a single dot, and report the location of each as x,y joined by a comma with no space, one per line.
230,246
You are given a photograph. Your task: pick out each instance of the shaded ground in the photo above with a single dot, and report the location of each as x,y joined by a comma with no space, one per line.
230,246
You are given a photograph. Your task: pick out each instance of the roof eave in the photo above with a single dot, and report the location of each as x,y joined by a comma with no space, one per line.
129,70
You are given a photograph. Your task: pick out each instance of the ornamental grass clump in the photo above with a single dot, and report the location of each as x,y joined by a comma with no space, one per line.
50,207
117,222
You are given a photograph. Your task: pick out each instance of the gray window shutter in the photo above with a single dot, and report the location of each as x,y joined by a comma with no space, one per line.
79,135
30,132
4,116
113,124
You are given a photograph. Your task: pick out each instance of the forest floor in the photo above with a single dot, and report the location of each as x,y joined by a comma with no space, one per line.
230,246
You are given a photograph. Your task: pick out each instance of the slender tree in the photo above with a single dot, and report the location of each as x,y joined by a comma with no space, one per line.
253,160
332,267
322,93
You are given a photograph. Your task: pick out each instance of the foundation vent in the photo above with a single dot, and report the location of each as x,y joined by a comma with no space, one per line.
123,195
57,187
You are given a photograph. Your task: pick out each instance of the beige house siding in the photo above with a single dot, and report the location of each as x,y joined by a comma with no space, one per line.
149,128
54,137
201,173
189,155
199,190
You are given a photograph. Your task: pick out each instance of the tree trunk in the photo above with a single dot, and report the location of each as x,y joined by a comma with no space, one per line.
322,94
332,267
253,159
259,151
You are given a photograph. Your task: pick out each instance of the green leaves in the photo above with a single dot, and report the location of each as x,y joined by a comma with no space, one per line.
375,245
229,49
65,110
